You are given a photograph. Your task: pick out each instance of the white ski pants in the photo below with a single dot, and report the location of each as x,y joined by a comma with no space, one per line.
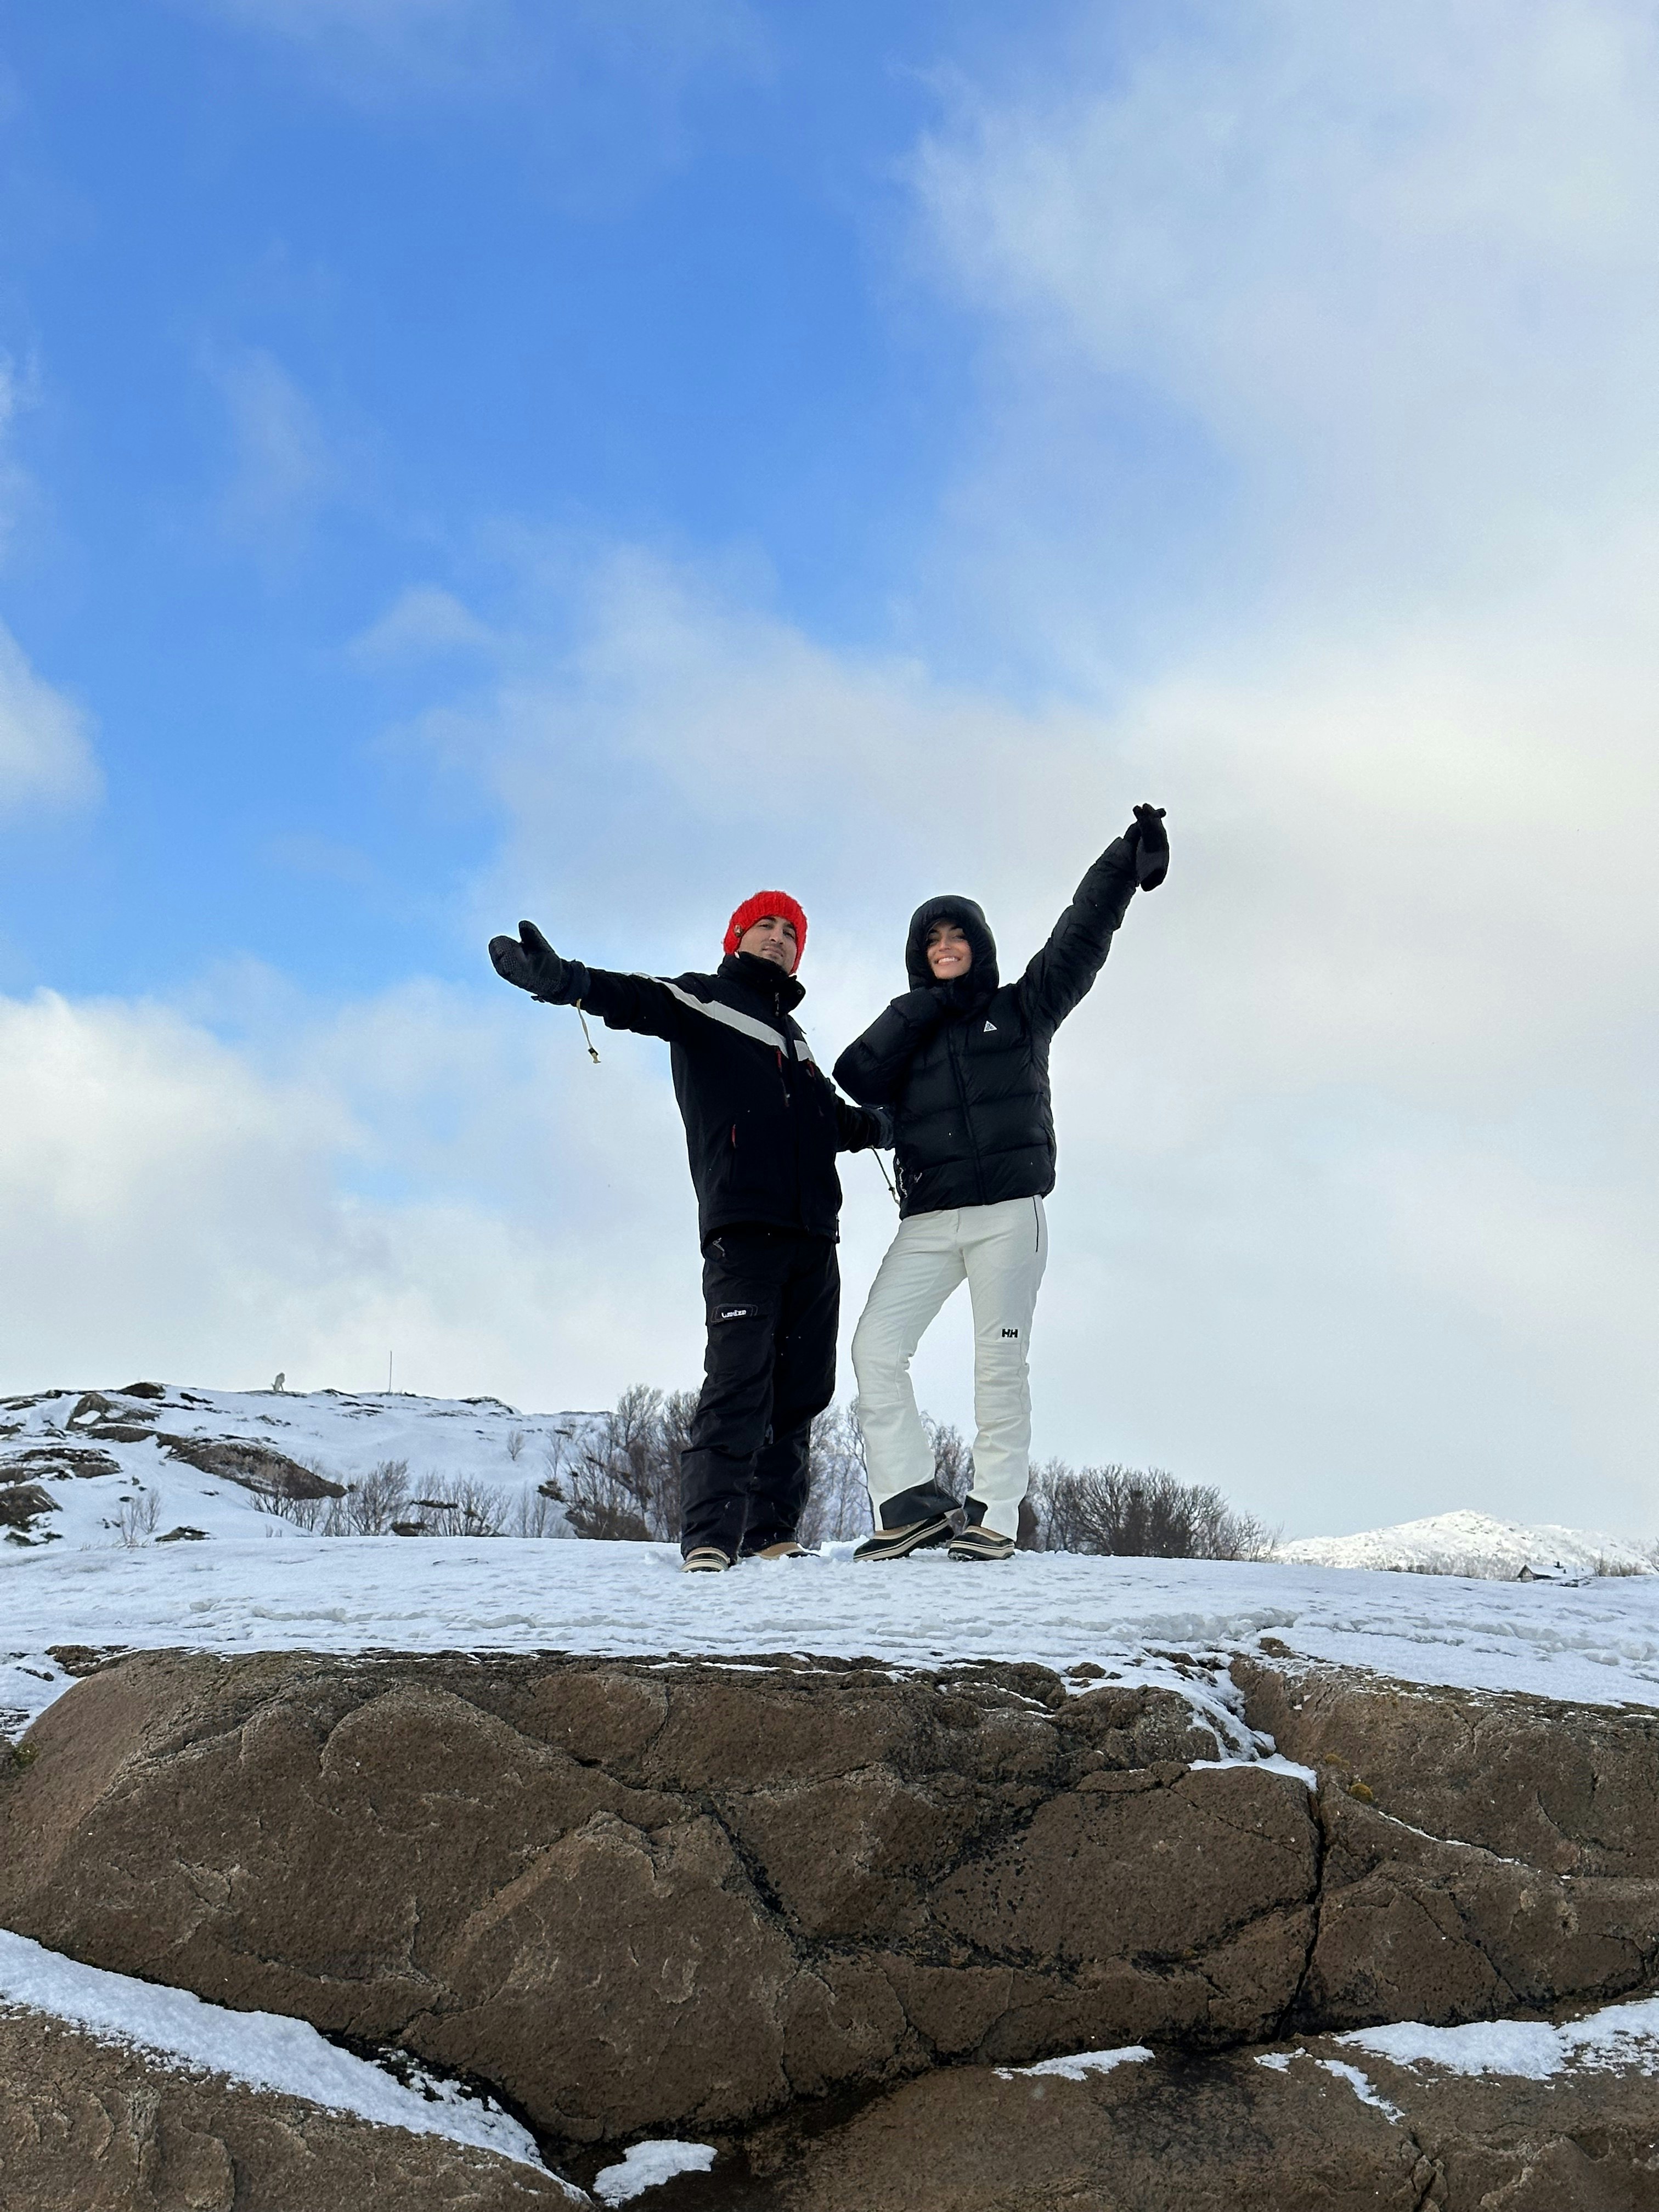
1001,1250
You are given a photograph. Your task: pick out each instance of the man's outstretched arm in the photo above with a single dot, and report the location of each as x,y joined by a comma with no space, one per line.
621,1002
1062,971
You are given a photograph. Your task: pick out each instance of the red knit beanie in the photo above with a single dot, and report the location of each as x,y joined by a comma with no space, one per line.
763,902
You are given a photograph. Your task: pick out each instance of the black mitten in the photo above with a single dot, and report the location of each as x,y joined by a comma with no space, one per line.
530,962
1149,841
919,1007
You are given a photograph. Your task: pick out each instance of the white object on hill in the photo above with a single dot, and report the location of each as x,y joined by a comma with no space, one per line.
1478,1546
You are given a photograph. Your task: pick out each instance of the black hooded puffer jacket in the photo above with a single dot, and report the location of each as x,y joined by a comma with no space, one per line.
964,1066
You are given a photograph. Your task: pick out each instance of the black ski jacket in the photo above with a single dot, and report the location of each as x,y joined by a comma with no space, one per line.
762,1122
964,1066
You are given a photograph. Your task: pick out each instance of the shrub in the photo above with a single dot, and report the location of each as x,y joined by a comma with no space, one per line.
135,1518
1130,1514
624,1482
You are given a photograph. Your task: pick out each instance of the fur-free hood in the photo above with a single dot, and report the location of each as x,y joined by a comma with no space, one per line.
971,920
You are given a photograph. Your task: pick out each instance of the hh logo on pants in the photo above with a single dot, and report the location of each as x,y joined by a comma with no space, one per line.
1011,1332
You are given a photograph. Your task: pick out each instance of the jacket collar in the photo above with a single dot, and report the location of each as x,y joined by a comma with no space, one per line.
763,979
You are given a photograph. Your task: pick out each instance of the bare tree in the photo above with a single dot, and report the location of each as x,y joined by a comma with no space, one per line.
370,1506
1133,1514
470,1508
837,1498
625,1481
135,1518
537,1515
953,1458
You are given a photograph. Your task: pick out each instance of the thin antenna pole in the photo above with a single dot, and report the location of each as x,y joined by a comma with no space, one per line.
388,1374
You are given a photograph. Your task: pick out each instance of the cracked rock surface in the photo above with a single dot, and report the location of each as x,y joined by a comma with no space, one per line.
1230,2134
670,1897
637,1897
1483,1855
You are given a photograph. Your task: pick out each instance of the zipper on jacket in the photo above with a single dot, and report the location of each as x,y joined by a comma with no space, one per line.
961,1094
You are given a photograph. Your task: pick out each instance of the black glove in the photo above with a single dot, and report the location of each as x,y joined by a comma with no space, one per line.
530,961
921,1007
1149,841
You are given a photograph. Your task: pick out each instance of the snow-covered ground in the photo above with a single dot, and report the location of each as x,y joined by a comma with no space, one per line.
1475,1545
1174,1621
258,1583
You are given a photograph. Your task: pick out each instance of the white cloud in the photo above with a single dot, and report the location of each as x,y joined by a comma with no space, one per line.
283,467
1396,263
180,1207
423,620
45,749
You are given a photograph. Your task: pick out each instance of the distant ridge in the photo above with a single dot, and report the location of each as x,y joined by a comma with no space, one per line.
1478,1546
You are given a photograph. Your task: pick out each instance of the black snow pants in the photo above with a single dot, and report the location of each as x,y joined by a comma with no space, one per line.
774,1303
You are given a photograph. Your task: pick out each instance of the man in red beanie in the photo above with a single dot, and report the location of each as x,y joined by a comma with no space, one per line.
762,1127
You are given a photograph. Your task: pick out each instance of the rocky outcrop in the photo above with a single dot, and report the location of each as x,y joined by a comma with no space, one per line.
1570,1789
255,1466
23,1504
1483,1855
641,1897
1322,2128
649,1897
104,2128
131,1418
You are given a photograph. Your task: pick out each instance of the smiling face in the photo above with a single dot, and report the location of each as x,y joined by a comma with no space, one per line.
771,938
949,952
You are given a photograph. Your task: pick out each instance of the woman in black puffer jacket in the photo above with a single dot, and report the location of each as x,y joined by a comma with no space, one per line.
962,1059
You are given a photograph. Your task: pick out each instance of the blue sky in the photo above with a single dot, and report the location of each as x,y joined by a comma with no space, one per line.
462,459
294,329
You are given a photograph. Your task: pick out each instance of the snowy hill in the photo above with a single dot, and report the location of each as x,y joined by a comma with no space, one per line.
153,1463
1478,1546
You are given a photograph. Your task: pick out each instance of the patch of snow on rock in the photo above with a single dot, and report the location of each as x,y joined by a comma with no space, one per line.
1532,2050
648,2165
1080,2064
1360,2084
265,2049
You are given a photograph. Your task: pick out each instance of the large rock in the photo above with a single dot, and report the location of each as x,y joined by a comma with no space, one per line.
658,1897
637,1897
1323,2127
1483,1854
88,2126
